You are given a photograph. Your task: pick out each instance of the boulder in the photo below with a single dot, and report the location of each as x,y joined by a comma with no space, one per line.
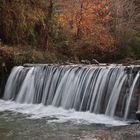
94,61
85,62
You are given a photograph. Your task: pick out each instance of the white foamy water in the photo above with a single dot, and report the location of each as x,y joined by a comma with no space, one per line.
57,115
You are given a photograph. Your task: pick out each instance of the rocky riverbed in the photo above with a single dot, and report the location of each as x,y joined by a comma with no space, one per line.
130,132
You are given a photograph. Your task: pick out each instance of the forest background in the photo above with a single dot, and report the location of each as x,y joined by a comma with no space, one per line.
60,31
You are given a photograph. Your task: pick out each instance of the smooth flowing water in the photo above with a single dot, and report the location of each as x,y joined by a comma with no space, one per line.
68,102
98,90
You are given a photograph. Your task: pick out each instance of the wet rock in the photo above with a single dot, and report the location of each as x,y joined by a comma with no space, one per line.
94,61
3,79
138,115
128,70
85,62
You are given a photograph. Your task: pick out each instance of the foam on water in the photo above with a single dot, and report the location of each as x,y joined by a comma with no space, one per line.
110,90
58,115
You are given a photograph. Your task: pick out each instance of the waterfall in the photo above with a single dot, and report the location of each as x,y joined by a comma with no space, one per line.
130,95
97,89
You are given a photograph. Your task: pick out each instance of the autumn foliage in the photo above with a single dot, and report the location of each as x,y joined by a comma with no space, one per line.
88,20
77,29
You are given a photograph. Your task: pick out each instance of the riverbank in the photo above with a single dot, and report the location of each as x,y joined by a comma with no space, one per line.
19,55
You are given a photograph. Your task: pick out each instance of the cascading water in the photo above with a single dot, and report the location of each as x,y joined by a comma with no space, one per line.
98,89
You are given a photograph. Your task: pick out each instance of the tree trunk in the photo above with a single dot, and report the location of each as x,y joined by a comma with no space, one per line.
48,24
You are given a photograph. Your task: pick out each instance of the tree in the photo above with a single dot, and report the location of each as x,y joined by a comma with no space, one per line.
125,15
87,20
19,21
125,25
48,23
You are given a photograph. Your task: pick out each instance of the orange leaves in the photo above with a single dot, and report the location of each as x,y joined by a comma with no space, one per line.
87,19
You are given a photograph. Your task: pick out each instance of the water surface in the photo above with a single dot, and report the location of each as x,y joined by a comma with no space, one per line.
37,122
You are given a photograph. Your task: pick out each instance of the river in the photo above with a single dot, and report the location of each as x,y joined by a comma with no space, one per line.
31,122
